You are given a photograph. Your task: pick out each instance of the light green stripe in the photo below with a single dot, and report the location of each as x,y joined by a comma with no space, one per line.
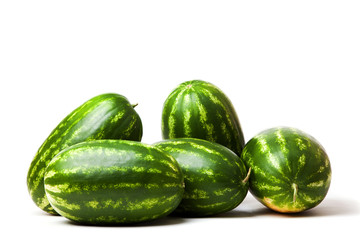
199,147
282,142
301,164
209,127
213,98
317,184
50,174
266,150
172,120
280,195
235,195
213,205
310,200
196,151
266,187
148,203
207,171
187,128
263,146
127,132
225,131
273,179
62,202
171,125
222,192
226,126
68,215
128,205
35,183
118,116
42,202
196,194
300,144
79,188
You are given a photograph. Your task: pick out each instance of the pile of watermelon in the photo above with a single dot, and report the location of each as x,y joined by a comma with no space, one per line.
94,169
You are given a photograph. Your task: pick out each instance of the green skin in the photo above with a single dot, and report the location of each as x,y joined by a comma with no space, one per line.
107,116
215,179
109,182
290,170
198,109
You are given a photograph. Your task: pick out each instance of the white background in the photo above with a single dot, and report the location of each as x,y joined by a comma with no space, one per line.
292,63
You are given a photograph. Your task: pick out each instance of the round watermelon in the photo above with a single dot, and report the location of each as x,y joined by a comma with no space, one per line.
290,169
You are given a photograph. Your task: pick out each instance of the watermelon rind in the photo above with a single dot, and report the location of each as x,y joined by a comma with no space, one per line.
291,170
111,182
216,181
106,116
199,109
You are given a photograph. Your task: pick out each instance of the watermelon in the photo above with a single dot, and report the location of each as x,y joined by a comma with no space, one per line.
198,109
107,116
290,169
113,182
215,178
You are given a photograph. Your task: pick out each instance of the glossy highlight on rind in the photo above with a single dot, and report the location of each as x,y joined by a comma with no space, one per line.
106,116
215,179
198,109
107,182
291,171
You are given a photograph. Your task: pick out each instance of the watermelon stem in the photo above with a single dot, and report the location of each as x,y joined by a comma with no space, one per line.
295,187
247,176
134,105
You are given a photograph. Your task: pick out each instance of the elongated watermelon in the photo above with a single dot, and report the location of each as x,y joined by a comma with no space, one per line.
107,116
215,179
113,182
198,109
290,169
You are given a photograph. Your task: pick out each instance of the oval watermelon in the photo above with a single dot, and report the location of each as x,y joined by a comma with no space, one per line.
215,178
290,170
107,116
198,109
113,182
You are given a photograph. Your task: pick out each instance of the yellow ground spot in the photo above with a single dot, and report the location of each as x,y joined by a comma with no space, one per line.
286,208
